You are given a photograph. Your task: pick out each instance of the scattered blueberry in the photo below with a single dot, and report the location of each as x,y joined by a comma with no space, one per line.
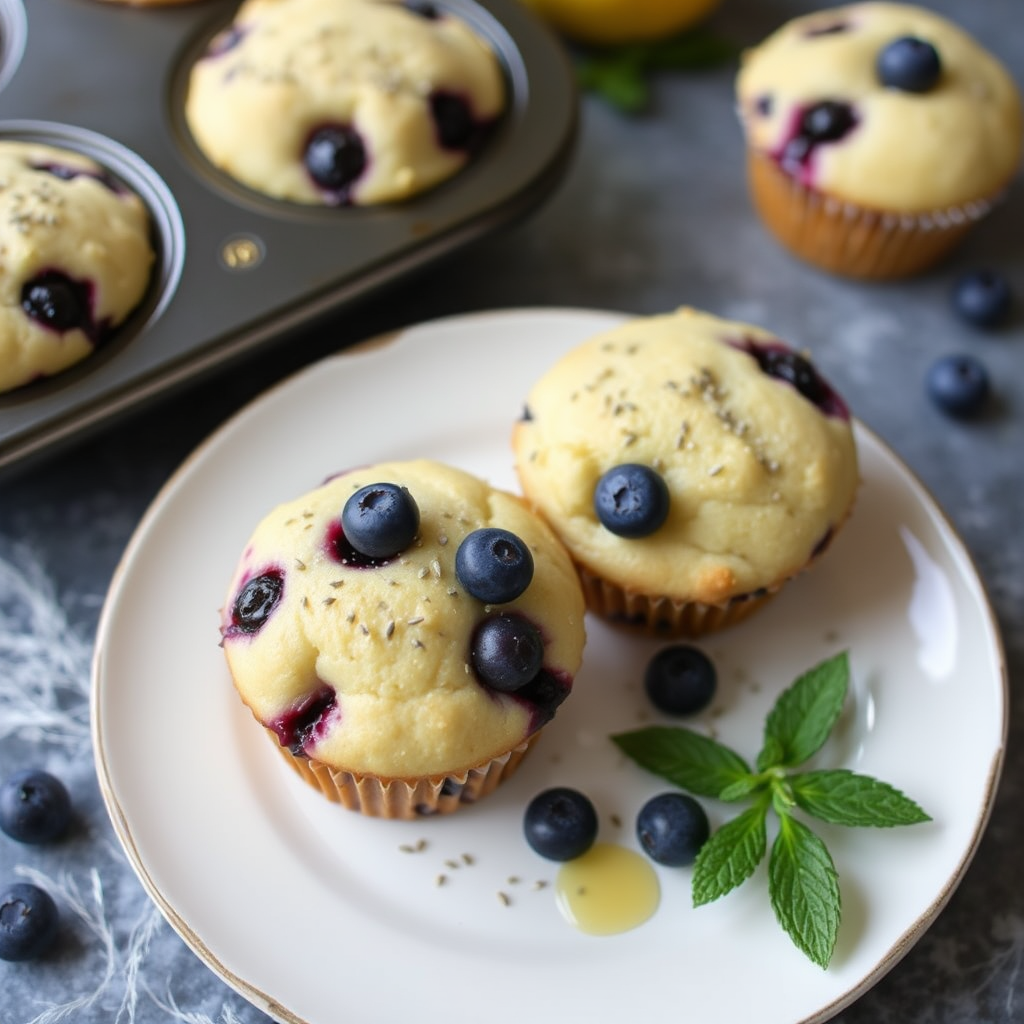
672,827
959,385
631,500
507,652
827,121
256,600
34,807
494,565
680,680
55,301
909,64
380,520
560,823
28,921
335,157
982,297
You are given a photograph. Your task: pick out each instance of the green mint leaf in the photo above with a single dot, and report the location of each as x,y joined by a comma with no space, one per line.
689,760
803,716
842,797
730,855
740,788
618,77
804,890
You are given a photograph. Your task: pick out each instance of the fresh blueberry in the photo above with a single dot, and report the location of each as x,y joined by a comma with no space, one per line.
824,122
507,652
909,64
680,680
796,370
631,500
494,565
34,807
55,301
560,823
256,600
28,921
335,157
959,385
983,298
672,827
380,520
456,128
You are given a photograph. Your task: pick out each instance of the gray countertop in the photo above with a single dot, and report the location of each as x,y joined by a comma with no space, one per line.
652,214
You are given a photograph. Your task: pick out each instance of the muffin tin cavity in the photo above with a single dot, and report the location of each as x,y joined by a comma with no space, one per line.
122,171
13,29
237,271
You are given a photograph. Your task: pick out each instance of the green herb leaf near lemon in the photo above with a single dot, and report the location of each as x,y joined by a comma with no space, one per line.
803,885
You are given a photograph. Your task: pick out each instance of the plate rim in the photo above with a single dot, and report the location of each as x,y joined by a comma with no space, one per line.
371,347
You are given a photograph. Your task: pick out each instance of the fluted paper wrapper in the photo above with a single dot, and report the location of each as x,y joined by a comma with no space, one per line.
666,616
406,798
852,240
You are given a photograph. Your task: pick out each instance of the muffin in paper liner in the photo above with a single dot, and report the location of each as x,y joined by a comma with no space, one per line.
403,682
867,162
844,238
753,448
406,798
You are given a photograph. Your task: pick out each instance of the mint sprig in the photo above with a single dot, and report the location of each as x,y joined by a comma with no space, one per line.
803,885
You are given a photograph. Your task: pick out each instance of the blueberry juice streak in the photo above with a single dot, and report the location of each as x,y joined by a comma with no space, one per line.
66,173
781,362
306,722
812,127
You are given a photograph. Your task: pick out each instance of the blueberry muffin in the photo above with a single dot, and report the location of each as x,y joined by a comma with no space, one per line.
877,134
75,259
343,102
690,465
403,632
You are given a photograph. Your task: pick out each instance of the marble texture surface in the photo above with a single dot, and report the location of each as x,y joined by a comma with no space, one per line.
653,213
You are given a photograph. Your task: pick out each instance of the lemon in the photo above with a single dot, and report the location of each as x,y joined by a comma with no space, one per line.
608,22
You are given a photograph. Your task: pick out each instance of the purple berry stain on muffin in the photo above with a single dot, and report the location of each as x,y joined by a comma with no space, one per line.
307,721
68,173
820,124
335,158
828,28
224,42
256,600
457,128
781,362
58,302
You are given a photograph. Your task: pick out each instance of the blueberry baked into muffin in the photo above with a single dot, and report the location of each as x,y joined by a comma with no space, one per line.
75,259
690,465
343,102
877,134
403,632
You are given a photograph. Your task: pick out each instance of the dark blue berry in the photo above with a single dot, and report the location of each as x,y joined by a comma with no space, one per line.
335,157
672,827
494,565
507,652
256,600
909,64
456,128
560,823
794,369
28,921
680,680
631,500
824,122
34,807
380,520
959,385
422,8
983,298
55,301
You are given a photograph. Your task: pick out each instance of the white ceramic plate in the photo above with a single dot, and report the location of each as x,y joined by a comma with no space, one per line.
317,915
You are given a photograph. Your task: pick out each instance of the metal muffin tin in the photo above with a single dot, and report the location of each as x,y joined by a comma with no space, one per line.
236,270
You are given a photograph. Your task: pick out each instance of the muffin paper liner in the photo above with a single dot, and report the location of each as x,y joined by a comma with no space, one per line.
666,616
406,798
852,240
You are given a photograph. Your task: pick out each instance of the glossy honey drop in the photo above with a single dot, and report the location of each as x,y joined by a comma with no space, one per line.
607,890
